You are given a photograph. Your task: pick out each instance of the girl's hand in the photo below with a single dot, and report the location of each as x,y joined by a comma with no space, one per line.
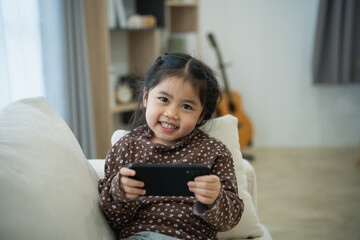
131,187
206,189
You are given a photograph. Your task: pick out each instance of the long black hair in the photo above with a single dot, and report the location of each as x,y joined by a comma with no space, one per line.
190,69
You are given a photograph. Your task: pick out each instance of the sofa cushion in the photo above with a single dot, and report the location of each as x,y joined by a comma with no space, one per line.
225,129
48,188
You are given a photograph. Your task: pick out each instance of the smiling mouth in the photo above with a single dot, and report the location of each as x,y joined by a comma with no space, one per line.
168,126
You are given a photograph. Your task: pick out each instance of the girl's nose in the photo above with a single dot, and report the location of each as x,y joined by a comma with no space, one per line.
171,112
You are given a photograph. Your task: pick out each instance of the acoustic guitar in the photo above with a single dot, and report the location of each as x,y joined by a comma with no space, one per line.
231,103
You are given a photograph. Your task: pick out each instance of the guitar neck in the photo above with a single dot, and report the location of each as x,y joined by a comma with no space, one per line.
222,69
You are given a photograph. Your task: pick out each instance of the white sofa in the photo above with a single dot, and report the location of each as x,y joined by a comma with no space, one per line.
49,189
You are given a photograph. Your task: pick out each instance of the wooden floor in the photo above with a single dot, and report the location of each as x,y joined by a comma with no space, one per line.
308,193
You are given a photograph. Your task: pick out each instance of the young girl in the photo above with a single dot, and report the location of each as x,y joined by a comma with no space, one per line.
179,94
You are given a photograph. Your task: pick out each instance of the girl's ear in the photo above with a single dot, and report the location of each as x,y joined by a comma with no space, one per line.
145,98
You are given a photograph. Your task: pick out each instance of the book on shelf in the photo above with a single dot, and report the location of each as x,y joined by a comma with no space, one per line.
121,13
116,14
111,14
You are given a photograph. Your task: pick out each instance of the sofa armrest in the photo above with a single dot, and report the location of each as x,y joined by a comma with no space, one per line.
98,165
251,182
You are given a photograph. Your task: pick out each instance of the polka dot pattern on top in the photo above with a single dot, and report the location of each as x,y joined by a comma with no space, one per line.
180,217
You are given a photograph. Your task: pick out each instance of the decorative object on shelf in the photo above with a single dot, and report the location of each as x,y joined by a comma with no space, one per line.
124,94
136,21
126,89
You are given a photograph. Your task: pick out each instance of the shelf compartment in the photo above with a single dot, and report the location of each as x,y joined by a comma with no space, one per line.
188,13
120,108
143,50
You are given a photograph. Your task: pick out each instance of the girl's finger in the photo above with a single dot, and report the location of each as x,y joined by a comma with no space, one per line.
131,196
207,178
205,185
129,182
204,200
127,172
134,191
204,192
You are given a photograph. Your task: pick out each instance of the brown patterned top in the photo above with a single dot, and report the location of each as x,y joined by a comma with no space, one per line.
180,217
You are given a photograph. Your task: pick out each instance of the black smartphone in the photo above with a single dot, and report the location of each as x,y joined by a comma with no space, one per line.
168,179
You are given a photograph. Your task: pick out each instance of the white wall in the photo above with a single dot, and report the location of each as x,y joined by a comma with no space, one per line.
269,46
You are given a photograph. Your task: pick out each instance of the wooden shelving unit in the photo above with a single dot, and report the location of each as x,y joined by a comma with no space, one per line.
187,12
98,55
143,47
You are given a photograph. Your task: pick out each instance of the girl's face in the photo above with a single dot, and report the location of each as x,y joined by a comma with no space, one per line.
173,109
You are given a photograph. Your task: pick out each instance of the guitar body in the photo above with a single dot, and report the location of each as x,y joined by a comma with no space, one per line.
244,126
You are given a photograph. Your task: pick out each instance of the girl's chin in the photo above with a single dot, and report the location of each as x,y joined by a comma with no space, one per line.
163,141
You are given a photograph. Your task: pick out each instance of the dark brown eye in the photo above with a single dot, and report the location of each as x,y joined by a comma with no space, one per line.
185,106
163,99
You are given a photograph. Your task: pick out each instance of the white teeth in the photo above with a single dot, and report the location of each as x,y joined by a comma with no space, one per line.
168,126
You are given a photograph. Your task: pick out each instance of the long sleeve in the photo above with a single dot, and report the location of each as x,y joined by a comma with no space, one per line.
118,210
229,206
